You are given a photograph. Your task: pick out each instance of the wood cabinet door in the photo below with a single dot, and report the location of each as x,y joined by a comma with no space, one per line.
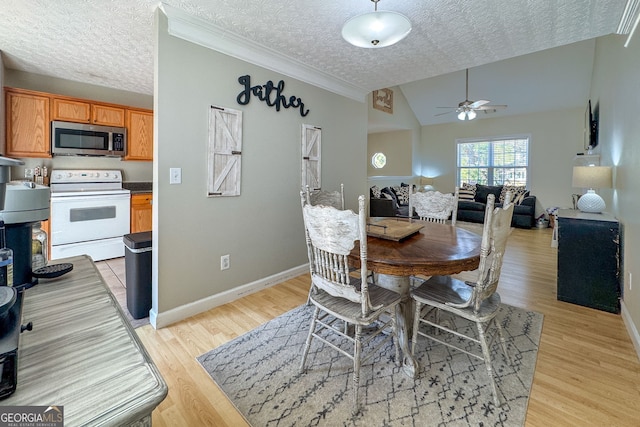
71,111
139,135
27,125
107,115
141,212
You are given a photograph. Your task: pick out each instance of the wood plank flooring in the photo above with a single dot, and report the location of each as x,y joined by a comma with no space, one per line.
587,372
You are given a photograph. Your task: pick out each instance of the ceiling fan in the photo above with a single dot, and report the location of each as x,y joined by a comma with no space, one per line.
467,109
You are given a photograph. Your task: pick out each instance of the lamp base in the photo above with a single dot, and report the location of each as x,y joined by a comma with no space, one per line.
591,202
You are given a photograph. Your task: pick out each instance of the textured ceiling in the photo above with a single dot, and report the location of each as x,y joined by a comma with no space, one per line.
110,42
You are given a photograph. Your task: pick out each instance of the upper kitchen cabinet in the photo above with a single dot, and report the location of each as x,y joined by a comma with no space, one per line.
27,123
140,135
107,115
80,111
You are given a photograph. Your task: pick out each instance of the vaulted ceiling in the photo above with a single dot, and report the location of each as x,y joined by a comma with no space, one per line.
110,43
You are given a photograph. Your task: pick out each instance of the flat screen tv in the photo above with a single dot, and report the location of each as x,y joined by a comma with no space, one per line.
590,129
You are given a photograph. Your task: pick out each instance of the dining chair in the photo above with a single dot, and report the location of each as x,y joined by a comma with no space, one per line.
326,198
331,235
434,206
478,301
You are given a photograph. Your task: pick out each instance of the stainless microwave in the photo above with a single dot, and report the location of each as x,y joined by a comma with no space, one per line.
80,139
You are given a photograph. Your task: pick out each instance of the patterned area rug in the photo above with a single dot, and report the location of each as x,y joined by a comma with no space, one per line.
259,372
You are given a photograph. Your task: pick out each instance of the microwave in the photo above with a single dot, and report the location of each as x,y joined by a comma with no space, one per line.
80,139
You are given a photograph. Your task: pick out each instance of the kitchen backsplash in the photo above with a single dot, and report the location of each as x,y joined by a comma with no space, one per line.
132,171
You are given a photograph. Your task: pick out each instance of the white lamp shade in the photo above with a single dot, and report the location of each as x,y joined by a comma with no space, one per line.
376,29
592,177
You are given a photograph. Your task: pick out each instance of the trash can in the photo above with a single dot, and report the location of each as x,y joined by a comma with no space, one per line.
137,260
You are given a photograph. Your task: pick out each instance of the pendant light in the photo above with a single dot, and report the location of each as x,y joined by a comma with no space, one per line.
376,29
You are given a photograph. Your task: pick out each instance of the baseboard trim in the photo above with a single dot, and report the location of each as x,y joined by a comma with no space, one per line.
631,328
166,318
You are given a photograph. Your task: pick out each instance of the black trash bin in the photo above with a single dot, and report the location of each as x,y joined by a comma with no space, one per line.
137,260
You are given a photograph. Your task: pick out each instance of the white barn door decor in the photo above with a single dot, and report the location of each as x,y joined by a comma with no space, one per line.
311,153
225,152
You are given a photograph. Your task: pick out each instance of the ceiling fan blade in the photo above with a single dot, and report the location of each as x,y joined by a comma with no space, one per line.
478,104
451,108
442,114
491,107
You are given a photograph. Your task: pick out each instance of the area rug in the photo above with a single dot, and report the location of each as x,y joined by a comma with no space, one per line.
259,373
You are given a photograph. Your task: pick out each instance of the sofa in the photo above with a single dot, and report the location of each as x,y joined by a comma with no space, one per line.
473,198
389,201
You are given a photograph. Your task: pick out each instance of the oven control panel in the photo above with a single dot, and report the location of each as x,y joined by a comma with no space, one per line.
69,176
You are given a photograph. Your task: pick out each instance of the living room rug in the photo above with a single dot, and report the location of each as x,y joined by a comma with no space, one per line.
259,373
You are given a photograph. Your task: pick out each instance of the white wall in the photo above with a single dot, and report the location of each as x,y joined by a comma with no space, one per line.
616,91
556,137
262,229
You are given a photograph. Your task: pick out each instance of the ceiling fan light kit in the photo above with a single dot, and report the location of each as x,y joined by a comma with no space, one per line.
467,110
376,29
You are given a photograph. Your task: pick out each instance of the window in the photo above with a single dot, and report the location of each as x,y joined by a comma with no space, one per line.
378,160
493,161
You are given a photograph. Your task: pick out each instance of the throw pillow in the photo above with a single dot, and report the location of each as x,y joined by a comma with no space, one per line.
482,191
516,192
376,192
386,191
467,192
402,193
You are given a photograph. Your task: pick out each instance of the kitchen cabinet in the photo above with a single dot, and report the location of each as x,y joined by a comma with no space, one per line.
141,212
27,123
140,135
81,111
107,115
589,260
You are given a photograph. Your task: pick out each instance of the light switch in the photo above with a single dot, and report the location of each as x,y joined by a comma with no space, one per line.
175,175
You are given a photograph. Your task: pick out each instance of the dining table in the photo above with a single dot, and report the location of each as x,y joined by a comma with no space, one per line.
434,249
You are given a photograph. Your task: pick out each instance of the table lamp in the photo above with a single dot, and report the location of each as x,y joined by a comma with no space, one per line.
591,177
426,183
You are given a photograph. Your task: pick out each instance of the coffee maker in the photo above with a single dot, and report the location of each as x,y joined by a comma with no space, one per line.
22,204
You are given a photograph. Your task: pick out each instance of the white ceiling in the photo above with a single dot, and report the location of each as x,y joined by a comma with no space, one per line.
110,43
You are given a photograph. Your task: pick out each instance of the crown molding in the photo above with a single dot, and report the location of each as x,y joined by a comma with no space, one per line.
204,33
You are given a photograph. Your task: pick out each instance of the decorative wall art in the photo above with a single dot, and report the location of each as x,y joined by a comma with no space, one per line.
271,94
383,100
224,153
311,154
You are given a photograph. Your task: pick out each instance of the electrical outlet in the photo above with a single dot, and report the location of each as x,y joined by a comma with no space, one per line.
224,262
175,175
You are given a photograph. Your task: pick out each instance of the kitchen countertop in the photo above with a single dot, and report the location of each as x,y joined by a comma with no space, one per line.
83,354
138,187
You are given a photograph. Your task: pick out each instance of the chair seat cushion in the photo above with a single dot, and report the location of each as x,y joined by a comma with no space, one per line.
437,291
351,311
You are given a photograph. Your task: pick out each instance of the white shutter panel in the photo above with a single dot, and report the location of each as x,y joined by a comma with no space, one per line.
311,146
225,152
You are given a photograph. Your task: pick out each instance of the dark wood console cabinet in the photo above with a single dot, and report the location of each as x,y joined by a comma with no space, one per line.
589,260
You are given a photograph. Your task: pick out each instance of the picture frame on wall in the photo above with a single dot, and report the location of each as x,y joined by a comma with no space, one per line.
383,100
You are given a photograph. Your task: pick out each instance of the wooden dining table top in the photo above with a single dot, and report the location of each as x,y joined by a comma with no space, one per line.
437,249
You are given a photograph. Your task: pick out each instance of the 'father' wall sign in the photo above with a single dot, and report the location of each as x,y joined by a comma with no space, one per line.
269,93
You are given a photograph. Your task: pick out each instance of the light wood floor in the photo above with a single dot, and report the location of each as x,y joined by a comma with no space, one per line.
587,373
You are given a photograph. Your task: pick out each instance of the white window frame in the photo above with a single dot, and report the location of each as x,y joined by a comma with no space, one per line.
490,167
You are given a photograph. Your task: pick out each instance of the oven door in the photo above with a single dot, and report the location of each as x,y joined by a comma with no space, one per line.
84,218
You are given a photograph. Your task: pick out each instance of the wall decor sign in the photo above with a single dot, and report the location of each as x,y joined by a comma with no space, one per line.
270,93
224,154
383,100
311,156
